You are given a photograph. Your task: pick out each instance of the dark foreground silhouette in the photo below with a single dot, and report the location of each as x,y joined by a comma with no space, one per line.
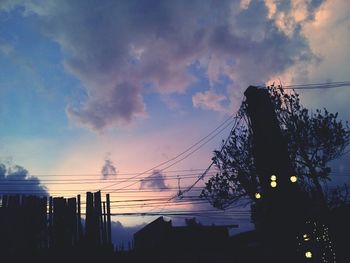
34,229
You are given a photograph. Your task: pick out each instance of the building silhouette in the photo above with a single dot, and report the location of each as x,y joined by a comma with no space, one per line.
160,241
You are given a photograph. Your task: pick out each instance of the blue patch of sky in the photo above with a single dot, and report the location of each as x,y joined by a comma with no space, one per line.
201,84
37,88
183,113
34,91
34,86
172,104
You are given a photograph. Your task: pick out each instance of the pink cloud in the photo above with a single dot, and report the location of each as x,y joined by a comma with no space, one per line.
209,100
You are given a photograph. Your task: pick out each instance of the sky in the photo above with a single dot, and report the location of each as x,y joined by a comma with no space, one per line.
89,87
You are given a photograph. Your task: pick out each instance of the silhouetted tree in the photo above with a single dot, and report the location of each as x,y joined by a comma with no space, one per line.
314,139
338,197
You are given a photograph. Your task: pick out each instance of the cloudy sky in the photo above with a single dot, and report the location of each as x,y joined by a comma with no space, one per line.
121,86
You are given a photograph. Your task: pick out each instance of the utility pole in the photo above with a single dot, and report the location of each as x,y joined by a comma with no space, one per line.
281,204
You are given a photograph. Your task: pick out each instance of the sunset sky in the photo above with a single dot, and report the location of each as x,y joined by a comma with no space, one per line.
138,82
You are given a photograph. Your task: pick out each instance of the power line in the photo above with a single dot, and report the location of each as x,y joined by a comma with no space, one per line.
185,154
237,121
205,140
8,181
15,191
327,85
212,163
184,213
118,174
89,181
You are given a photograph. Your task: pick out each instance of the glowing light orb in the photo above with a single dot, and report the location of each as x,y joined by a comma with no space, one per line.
273,177
257,195
306,237
273,184
308,254
293,178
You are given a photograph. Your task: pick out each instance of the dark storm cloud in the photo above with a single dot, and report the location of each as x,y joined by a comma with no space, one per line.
16,180
115,47
156,181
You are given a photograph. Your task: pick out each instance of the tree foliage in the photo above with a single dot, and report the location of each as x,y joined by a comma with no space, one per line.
314,139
